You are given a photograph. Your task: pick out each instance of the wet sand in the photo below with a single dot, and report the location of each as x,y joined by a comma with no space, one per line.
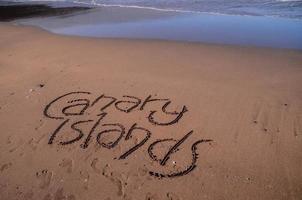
86,118
12,10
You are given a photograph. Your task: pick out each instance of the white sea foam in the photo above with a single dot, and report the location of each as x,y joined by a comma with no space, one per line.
133,6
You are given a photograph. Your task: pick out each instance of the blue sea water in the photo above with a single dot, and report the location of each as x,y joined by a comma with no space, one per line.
264,23
276,8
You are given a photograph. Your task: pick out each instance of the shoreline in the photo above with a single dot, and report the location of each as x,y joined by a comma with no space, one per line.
164,41
98,5
140,23
137,23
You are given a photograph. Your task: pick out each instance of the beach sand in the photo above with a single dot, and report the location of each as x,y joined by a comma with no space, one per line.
228,124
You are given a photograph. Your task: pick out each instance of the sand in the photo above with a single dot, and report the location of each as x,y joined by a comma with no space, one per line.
96,119
13,11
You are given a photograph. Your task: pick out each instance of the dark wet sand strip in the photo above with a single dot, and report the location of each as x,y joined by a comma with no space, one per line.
17,11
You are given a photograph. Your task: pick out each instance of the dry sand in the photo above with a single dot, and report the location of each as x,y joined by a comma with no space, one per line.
244,106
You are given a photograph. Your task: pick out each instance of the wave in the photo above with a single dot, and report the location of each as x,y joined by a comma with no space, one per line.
133,6
286,9
160,9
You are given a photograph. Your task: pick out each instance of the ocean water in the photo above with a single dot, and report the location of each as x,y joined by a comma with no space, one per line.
274,8
263,23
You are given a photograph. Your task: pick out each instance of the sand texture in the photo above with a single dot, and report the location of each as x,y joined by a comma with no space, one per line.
93,119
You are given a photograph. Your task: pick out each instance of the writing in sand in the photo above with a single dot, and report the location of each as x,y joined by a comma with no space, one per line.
70,107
